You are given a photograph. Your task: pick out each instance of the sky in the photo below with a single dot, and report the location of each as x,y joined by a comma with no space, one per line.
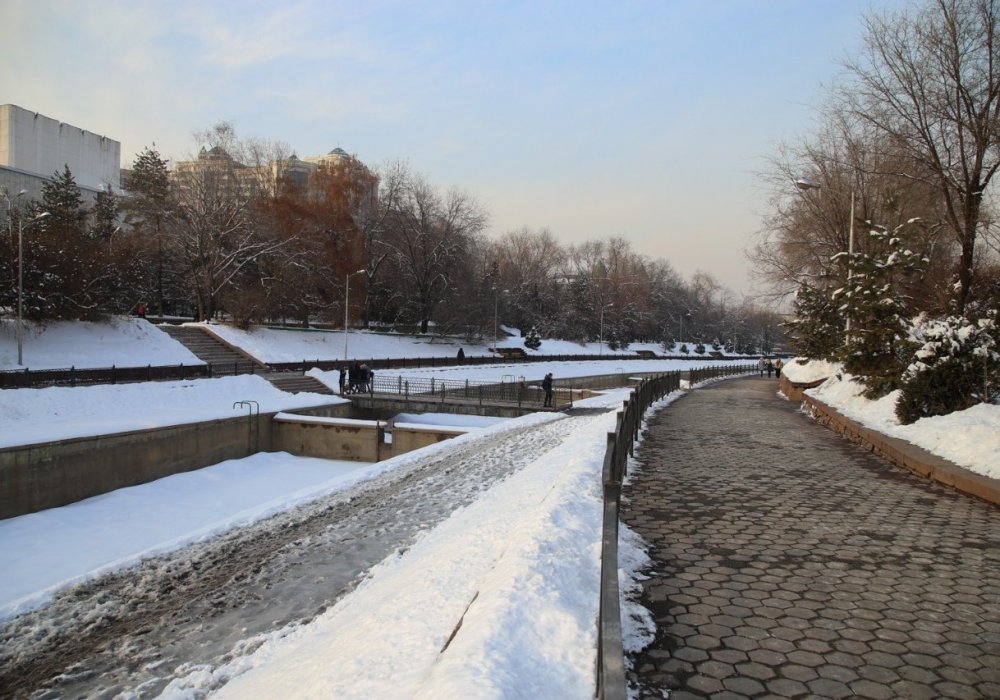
646,120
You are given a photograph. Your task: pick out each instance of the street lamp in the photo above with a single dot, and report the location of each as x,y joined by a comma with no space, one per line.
347,304
20,282
600,349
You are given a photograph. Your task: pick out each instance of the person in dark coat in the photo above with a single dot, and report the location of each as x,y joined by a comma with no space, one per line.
343,378
547,386
461,354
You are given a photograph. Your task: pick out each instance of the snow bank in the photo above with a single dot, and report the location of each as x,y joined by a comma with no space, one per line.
121,342
804,371
30,416
506,605
969,438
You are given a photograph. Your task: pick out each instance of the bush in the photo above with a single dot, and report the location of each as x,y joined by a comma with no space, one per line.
532,340
956,367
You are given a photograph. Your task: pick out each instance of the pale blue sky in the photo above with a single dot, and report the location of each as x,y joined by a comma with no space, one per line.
641,119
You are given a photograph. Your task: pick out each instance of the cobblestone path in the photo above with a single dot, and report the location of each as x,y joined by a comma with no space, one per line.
790,563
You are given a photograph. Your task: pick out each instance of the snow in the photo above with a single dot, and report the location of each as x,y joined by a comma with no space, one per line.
29,416
287,345
514,577
498,600
122,342
969,438
108,532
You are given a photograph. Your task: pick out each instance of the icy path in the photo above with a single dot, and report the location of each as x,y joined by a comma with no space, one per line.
203,606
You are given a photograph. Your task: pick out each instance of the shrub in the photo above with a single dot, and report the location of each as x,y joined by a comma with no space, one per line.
532,340
956,367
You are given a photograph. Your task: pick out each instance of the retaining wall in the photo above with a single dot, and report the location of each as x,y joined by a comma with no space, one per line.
905,454
52,474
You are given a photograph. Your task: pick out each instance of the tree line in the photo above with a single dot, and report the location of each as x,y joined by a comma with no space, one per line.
881,224
237,234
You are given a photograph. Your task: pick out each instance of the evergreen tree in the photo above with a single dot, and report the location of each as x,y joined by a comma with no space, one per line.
104,216
817,330
532,340
147,206
877,349
62,199
956,367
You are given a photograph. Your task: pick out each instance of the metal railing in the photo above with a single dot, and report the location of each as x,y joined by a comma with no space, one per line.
518,392
12,379
73,376
611,684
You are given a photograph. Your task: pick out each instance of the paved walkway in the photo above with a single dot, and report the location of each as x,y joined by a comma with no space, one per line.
789,563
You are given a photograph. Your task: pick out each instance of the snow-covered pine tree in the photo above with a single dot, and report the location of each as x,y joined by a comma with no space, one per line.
532,340
817,331
956,366
878,349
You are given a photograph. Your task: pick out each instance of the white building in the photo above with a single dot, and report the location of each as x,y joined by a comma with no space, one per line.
34,147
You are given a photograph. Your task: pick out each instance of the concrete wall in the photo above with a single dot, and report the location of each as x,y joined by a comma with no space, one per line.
48,475
36,477
795,391
34,143
333,438
406,439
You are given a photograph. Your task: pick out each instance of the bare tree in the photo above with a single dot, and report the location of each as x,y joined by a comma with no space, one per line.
930,81
427,234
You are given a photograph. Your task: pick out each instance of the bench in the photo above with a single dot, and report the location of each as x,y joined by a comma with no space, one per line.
646,354
511,352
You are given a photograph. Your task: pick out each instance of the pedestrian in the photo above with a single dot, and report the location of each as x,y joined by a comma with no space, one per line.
343,378
770,367
778,364
461,354
353,378
365,378
141,310
761,364
547,386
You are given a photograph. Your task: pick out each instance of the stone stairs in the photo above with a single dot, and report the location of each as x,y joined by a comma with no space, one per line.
225,360
294,383
209,349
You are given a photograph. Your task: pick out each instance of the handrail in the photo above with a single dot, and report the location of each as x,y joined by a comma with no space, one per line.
611,683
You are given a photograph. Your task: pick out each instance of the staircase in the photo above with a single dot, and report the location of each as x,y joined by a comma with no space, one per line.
294,383
220,357
223,360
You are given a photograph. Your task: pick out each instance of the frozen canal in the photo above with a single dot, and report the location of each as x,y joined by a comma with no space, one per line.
134,631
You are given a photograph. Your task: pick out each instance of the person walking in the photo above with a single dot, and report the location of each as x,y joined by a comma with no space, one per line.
778,364
761,364
547,386
770,367
343,378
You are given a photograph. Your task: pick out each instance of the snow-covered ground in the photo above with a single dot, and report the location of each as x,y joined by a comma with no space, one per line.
121,342
969,438
498,600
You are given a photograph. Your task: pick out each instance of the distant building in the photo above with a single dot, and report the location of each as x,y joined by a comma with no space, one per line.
217,166
34,147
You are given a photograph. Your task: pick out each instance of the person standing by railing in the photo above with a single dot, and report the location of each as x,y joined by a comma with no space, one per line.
547,386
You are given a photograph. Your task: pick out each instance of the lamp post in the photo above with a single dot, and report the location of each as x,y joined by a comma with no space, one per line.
347,305
20,283
600,349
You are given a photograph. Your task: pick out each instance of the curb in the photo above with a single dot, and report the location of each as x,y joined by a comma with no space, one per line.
904,454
